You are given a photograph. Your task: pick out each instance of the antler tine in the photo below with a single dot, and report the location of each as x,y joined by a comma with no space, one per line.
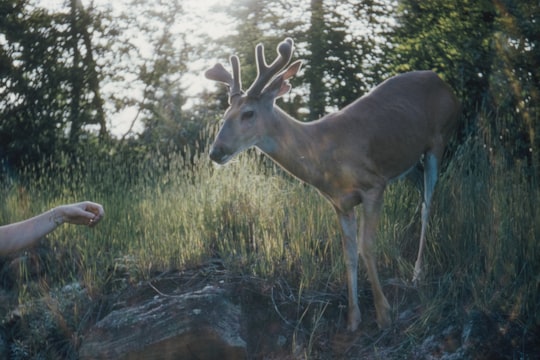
236,88
265,72
218,73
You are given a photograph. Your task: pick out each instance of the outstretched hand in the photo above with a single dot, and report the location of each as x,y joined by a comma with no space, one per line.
24,233
83,213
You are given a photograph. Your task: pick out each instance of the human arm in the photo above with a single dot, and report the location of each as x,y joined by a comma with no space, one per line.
18,235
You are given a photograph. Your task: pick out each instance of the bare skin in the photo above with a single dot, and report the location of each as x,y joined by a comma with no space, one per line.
16,236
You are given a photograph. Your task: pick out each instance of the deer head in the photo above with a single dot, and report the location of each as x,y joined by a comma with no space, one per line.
246,120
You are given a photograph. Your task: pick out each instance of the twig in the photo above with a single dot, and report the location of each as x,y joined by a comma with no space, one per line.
278,312
161,293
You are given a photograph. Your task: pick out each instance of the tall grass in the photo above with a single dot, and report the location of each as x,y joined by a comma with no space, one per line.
165,212
488,239
175,214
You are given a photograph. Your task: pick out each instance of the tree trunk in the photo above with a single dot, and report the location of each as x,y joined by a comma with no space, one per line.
317,95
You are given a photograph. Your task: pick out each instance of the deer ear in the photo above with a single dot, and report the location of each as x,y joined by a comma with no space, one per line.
280,86
218,73
292,69
285,88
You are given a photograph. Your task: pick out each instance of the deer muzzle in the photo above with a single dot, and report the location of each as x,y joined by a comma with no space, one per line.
219,154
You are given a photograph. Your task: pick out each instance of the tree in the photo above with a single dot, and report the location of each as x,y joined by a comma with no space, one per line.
450,38
489,54
159,68
333,42
48,80
315,72
515,77
88,109
346,50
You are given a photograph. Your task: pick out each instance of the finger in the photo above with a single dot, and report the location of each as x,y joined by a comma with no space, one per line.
84,218
96,209
93,221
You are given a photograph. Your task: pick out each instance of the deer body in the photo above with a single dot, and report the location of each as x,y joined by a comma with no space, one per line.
350,155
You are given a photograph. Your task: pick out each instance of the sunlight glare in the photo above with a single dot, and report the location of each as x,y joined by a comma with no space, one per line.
205,17
200,20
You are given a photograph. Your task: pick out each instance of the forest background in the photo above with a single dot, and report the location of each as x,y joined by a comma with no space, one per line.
66,75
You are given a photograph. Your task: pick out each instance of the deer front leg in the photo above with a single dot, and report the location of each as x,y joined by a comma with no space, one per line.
370,217
350,253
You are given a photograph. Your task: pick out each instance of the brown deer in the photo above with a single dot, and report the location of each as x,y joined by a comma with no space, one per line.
350,155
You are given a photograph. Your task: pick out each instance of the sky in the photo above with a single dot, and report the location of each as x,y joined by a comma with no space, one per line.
205,19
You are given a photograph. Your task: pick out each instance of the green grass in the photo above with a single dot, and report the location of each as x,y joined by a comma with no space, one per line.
163,213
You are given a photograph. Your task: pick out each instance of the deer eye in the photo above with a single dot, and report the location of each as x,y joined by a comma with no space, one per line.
246,115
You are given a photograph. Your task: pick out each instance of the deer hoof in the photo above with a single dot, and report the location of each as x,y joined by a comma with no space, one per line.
354,319
384,321
383,315
417,277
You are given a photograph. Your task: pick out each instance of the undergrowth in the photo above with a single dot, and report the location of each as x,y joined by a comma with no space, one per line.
163,212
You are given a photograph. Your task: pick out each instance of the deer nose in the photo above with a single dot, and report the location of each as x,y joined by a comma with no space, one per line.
217,154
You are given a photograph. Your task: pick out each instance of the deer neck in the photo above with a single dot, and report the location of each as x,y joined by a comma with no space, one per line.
293,145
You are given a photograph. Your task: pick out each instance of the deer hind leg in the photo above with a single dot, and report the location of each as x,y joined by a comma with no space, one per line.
370,217
430,179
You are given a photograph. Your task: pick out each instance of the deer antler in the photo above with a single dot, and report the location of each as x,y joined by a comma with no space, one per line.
266,72
218,73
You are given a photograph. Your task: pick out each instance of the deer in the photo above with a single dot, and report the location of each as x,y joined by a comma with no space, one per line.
399,128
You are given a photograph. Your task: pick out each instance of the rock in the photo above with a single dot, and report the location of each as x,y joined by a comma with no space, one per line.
481,337
197,325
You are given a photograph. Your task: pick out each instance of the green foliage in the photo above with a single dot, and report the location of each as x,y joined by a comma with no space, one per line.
452,38
341,42
487,51
57,64
46,95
